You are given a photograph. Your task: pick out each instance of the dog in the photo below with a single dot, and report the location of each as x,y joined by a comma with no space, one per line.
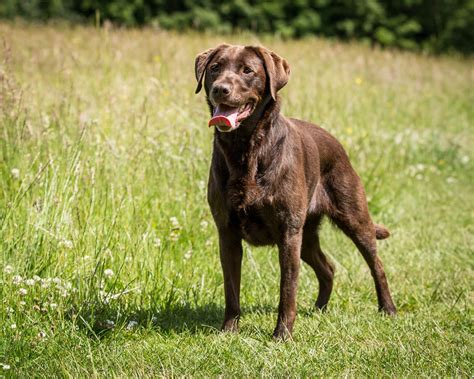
272,179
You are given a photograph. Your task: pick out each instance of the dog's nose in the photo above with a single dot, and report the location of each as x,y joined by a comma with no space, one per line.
221,90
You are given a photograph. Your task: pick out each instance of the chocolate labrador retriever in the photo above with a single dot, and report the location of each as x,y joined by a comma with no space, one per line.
273,178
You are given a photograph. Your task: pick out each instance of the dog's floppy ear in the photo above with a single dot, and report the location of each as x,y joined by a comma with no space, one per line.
277,69
201,62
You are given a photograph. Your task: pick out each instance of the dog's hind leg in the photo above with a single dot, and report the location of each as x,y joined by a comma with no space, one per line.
353,218
312,254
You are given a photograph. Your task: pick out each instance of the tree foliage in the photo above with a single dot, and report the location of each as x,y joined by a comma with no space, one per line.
434,25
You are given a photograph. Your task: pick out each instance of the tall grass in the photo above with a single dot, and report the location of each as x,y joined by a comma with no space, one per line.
108,251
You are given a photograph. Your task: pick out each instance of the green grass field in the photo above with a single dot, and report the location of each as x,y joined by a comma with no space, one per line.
108,250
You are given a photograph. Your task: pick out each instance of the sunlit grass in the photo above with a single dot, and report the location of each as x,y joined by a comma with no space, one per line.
109,257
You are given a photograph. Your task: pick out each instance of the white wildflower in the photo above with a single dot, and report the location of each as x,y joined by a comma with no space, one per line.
188,254
174,222
53,305
6,367
45,283
13,326
108,273
30,282
36,278
22,303
86,257
131,325
464,159
157,242
8,269
174,236
450,180
204,224
22,291
109,323
67,244
15,173
56,280
17,279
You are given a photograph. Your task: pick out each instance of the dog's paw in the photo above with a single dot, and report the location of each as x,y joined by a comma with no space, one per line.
230,325
281,333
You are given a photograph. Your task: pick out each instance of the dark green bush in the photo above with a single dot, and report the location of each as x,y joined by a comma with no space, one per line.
434,25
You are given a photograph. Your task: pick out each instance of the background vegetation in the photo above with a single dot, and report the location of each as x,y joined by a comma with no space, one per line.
432,25
109,263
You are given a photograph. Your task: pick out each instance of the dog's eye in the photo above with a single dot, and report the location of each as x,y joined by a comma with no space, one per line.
214,67
247,70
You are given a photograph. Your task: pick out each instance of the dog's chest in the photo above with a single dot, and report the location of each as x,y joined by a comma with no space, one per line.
253,209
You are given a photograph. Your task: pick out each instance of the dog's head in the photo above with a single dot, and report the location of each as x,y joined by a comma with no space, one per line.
237,79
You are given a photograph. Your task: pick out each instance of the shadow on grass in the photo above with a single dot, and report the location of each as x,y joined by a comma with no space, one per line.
99,321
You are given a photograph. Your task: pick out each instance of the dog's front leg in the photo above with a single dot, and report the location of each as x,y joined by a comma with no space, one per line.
230,245
289,253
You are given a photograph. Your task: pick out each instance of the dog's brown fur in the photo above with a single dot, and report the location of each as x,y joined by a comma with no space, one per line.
274,178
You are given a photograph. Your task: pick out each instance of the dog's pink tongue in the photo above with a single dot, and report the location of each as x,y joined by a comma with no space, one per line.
224,117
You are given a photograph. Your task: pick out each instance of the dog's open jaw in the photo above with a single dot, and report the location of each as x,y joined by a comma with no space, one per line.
227,118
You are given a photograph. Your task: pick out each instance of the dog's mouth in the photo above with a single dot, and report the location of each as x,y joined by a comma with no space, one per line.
227,118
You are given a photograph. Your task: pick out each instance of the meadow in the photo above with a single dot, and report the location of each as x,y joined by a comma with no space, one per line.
109,255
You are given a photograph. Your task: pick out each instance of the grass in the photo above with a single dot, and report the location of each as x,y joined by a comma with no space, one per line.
108,251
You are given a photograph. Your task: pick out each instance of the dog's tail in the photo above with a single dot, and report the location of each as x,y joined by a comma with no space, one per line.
381,232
